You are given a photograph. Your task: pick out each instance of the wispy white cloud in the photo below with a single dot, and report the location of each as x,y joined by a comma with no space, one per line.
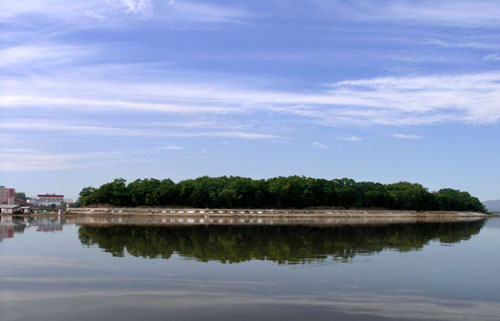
388,101
34,160
470,98
319,145
416,58
477,13
407,136
46,54
351,139
137,131
169,147
207,12
227,124
109,105
143,7
483,44
18,150
492,57
116,13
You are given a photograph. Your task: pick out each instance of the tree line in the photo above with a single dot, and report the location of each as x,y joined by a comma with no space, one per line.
277,192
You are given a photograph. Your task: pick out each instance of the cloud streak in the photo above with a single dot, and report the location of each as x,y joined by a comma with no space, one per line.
28,160
117,13
319,145
478,13
407,136
386,101
35,160
169,147
110,131
351,139
492,57
47,54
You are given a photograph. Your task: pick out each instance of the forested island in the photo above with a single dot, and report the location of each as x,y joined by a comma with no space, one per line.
277,192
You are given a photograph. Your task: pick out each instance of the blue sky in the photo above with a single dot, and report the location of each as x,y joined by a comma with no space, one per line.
373,90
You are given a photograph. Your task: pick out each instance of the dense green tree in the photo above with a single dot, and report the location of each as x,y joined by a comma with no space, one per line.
277,192
104,194
120,193
88,196
20,196
228,197
166,193
346,192
407,195
142,191
448,199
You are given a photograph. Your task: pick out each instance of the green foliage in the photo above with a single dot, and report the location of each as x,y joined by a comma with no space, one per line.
88,196
454,199
277,192
120,194
20,196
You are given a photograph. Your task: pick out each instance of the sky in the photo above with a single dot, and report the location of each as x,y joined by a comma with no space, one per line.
382,91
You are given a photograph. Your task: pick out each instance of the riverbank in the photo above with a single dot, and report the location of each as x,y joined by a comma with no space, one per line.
178,220
265,213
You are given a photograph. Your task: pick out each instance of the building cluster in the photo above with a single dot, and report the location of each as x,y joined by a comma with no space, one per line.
9,204
46,200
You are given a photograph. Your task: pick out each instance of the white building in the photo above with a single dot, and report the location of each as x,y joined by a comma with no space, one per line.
47,200
9,209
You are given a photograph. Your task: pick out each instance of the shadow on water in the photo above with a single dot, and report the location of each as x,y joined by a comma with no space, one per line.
285,244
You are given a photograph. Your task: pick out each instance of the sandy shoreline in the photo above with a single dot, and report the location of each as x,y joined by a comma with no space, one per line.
198,212
161,220
260,216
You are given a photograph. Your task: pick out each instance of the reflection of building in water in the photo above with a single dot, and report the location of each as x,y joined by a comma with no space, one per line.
5,219
48,226
10,224
6,231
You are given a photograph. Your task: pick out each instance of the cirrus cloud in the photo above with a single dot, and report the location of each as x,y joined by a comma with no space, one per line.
387,101
407,136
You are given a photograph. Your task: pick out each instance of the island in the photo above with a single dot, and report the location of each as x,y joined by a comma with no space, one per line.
279,197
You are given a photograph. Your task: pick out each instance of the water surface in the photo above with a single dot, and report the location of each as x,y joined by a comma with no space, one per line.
52,269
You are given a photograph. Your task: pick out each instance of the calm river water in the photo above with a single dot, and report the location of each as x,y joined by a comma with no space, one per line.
56,270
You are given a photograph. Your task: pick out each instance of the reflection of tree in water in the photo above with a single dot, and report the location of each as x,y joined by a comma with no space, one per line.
283,244
19,228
